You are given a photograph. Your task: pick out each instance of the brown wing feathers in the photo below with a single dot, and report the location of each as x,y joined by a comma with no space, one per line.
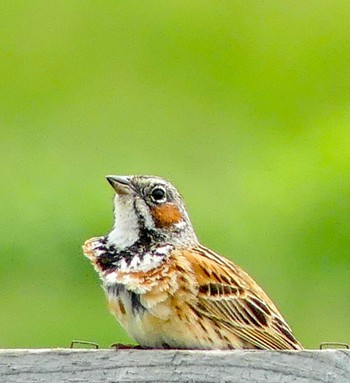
227,294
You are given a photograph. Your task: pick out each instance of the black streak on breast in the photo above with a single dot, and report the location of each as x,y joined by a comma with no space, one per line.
110,256
136,303
119,289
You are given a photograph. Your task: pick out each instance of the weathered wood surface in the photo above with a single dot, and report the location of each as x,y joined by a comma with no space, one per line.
94,366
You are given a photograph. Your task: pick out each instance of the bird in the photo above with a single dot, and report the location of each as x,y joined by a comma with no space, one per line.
166,289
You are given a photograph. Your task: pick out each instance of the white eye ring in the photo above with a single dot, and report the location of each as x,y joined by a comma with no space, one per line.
158,194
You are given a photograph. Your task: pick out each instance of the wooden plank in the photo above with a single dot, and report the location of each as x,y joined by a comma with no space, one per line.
78,365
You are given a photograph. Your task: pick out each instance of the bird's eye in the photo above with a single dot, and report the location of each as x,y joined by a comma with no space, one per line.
158,194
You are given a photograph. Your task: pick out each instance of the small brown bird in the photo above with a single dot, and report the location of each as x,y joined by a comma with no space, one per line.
169,291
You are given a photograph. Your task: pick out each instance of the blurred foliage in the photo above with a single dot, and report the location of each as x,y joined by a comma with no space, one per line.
243,105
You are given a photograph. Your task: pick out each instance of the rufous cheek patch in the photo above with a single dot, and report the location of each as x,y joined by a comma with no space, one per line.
166,215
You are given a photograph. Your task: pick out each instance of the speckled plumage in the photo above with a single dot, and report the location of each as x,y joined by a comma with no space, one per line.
167,290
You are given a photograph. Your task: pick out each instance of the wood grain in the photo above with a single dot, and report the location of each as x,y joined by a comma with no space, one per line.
108,365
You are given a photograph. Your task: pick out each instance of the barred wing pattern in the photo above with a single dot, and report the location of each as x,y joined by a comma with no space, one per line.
229,296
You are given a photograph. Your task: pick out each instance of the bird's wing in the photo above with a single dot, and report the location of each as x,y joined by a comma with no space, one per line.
228,295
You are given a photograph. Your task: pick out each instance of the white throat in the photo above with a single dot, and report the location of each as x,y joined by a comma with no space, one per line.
126,228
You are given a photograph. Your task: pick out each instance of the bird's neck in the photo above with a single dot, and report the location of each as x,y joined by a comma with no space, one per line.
146,253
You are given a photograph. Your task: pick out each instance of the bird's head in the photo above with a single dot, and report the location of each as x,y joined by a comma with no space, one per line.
152,205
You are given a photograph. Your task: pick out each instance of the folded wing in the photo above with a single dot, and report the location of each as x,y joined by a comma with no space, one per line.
228,295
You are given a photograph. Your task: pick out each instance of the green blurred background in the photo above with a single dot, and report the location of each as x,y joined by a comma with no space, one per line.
243,105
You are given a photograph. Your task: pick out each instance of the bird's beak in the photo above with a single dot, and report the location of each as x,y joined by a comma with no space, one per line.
121,184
